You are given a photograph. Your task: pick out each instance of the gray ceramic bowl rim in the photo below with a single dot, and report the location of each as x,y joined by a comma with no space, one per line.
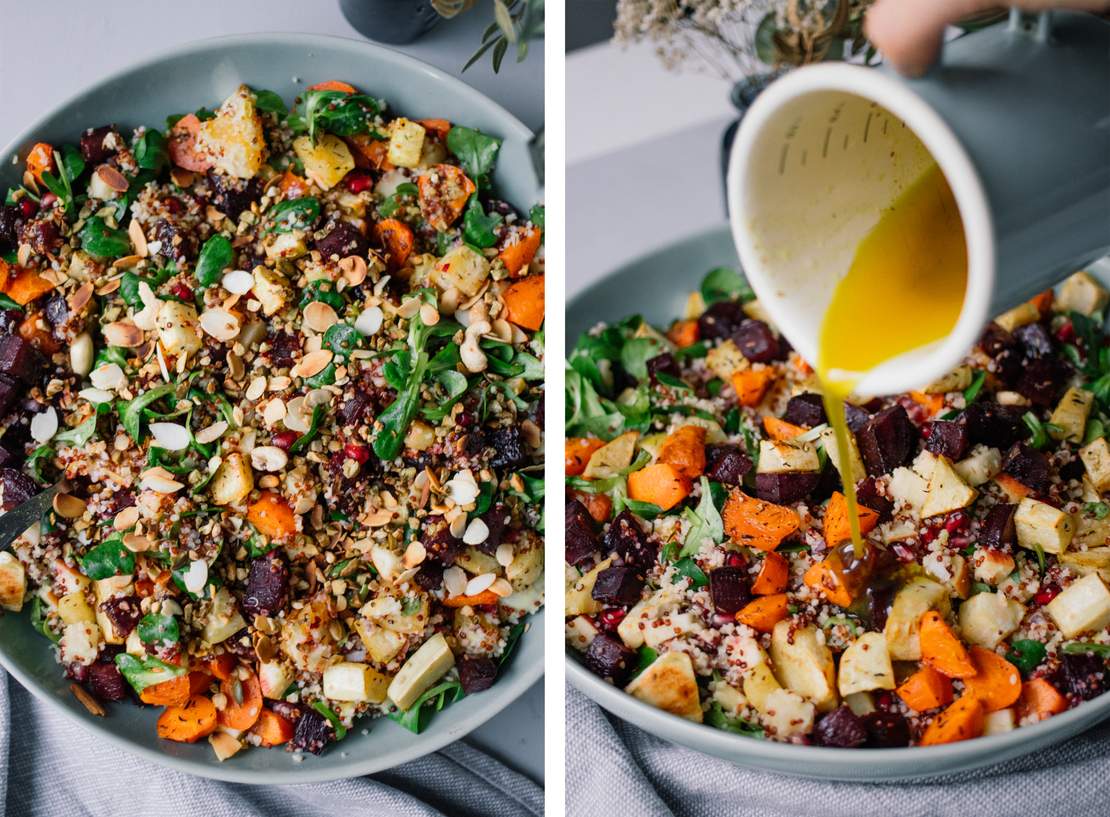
432,740
908,762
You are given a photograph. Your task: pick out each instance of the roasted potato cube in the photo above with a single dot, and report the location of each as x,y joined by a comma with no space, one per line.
223,620
856,471
234,137
1042,525
804,664
1083,606
326,162
1096,459
669,684
422,669
13,582
613,457
987,618
579,591
406,141
1019,316
177,326
1081,293
956,380
980,466
725,360
783,457
1070,415
914,598
947,491
462,268
865,665
233,481
350,681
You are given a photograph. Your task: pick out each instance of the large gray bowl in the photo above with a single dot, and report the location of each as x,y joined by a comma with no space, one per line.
182,80
656,287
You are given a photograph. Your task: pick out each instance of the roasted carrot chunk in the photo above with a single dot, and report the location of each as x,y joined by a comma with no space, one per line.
660,484
272,516
577,453
1040,698
40,160
189,722
941,649
932,403
960,721
24,285
684,448
524,302
272,729
926,689
396,239
174,692
182,145
764,613
599,506
751,385
683,333
439,127
520,248
333,85
476,600
996,682
780,430
244,702
444,191
773,575
823,577
757,523
837,525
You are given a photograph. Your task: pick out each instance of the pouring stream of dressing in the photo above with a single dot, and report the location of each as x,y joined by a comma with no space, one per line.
904,289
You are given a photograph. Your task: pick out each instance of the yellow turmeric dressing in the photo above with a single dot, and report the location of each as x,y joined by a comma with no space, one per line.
903,290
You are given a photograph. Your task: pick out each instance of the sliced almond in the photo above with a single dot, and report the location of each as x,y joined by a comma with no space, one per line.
256,388
137,543
127,518
377,518
80,297
319,316
429,315
409,308
275,411
160,481
112,178
268,458
501,588
415,554
209,434
479,584
312,364
69,506
127,262
220,324
138,238
454,580
23,254
88,701
123,333
504,554
108,287
353,269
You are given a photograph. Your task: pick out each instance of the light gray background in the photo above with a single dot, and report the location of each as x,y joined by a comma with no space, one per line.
50,50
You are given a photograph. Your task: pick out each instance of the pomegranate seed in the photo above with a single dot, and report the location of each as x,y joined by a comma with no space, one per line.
609,619
172,204
883,700
1044,596
736,560
358,453
47,200
27,207
358,182
904,554
1066,332
929,535
284,439
956,521
182,291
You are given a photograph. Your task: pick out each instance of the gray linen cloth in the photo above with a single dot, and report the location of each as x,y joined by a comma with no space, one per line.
51,767
614,768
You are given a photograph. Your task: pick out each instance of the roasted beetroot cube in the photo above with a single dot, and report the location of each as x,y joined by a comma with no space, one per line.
10,391
663,364
886,730
726,464
124,612
477,673
104,681
267,586
840,728
352,412
1028,466
879,597
496,519
994,425
997,530
312,733
609,658
7,458
720,320
867,494
855,417
342,240
232,196
730,588
581,540
948,438
1004,349
619,585
93,147
626,538
791,486
757,341
1042,379
18,358
806,409
430,575
1035,340
439,542
508,447
15,488
886,441
1082,676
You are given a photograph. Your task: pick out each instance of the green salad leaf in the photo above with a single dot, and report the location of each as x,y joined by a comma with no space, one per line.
146,672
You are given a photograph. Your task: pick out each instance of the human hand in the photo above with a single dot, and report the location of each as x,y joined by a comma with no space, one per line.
908,32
